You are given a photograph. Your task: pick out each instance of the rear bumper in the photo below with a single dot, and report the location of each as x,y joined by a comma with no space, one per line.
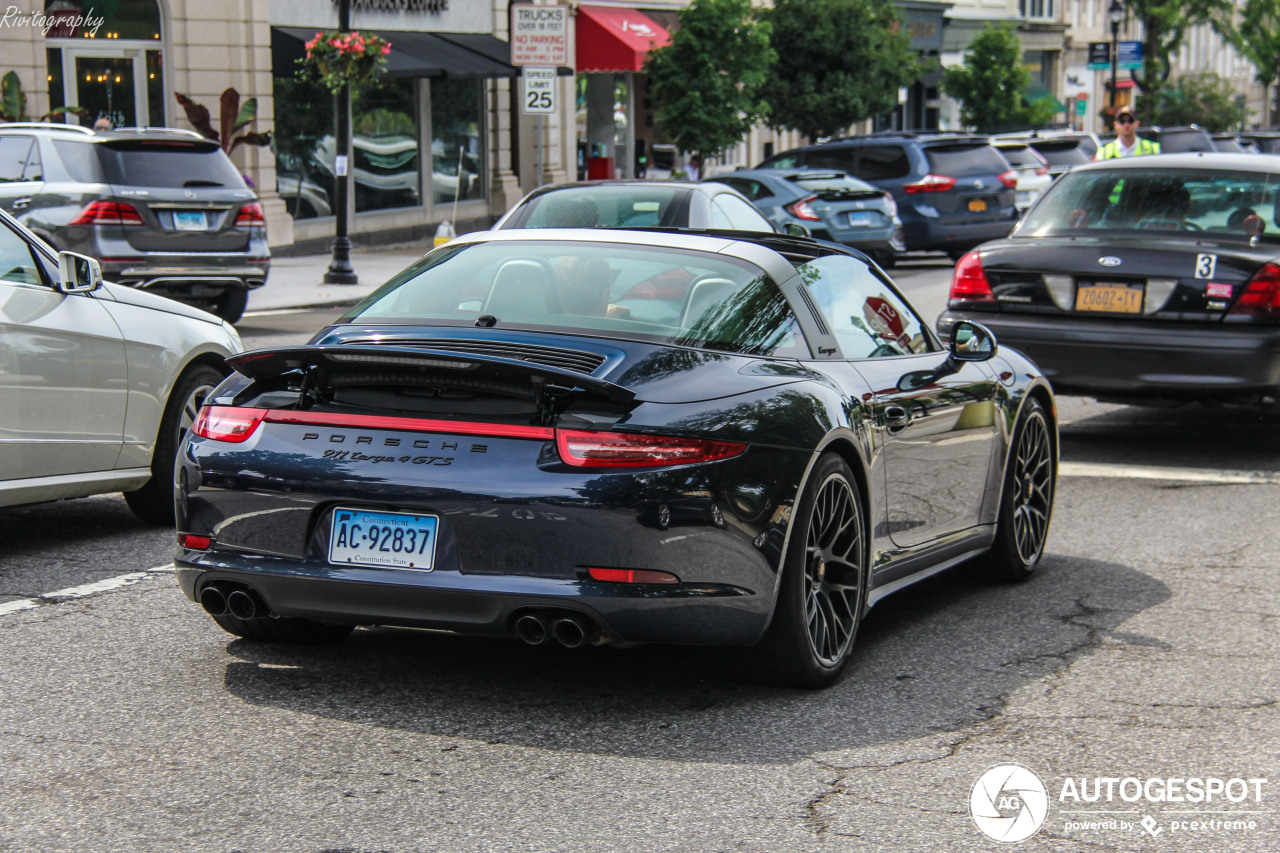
1141,361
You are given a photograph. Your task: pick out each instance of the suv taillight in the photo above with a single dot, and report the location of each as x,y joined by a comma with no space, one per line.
1009,179
250,214
108,213
891,205
969,283
930,184
1261,296
800,209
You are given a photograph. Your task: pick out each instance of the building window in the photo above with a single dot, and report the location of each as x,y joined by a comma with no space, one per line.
303,142
1038,9
384,144
457,140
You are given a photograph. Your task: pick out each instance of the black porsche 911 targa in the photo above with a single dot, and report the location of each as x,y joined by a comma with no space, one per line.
595,436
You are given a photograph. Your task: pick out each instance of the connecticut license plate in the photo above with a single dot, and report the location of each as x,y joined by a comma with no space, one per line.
1112,297
189,220
393,540
860,218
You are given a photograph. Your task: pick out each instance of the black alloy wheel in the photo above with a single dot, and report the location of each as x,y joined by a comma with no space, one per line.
823,588
1026,506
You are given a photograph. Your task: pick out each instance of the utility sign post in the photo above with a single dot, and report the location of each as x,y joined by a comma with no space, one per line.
539,35
538,95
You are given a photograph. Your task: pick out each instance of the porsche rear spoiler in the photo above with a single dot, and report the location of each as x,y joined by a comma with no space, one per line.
267,364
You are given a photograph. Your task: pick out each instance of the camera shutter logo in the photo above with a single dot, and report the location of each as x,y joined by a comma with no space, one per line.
1008,803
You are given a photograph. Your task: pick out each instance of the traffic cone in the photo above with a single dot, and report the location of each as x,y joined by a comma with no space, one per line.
444,233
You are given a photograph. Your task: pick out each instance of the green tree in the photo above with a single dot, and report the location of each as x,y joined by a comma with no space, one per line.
706,82
1204,99
991,85
838,62
1166,24
1257,38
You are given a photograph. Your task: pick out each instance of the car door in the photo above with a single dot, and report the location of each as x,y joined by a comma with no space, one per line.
63,378
935,419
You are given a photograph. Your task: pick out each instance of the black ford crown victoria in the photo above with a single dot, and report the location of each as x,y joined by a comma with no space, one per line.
1146,280
615,436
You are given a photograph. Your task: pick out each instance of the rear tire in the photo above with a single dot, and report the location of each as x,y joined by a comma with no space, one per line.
1026,504
283,630
231,305
153,503
822,594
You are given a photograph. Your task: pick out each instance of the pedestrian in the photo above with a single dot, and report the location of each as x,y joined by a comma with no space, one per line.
1127,142
694,169
103,123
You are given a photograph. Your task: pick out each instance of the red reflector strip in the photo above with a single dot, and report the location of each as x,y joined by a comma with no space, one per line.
631,450
632,576
284,416
195,543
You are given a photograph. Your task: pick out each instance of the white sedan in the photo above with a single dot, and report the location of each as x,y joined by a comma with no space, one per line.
98,382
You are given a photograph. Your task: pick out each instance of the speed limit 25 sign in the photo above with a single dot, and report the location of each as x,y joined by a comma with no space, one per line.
538,95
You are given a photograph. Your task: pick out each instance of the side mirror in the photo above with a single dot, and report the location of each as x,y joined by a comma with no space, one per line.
795,229
972,341
78,273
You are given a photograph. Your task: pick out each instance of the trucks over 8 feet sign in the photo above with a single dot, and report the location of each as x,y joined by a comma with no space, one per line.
540,35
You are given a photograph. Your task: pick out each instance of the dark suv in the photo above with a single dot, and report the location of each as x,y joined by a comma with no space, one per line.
953,191
161,209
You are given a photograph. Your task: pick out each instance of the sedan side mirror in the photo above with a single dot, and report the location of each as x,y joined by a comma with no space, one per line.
78,273
795,229
972,341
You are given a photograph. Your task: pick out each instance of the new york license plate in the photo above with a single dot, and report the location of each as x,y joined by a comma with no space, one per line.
393,540
1113,297
977,205
189,220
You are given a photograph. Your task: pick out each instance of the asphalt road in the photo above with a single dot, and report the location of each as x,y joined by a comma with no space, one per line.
1143,648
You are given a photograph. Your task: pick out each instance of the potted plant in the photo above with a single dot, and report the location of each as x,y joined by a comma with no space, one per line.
337,59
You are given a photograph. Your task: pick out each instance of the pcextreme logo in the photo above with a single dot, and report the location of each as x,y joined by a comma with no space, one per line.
1009,803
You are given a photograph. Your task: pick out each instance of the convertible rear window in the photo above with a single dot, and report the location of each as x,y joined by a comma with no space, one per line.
612,290
1226,204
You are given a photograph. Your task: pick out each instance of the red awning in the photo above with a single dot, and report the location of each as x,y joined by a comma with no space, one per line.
1122,84
612,38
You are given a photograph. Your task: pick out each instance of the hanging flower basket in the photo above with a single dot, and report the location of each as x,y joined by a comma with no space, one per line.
337,59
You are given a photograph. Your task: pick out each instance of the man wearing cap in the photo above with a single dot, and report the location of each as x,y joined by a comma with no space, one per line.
1127,142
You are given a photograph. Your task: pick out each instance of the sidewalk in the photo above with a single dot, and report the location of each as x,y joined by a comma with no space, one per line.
298,282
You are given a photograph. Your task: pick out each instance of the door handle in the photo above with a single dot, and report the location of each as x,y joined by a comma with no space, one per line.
896,418
21,202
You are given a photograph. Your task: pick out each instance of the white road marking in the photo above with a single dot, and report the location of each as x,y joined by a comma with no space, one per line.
275,312
1153,472
85,590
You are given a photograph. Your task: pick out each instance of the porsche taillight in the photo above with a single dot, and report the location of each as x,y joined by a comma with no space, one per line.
1261,296
227,423
969,282
585,449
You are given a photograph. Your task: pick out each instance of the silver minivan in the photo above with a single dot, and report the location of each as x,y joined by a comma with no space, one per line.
161,209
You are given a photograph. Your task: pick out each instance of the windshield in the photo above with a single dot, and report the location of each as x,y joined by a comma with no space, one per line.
1222,203
607,207
654,293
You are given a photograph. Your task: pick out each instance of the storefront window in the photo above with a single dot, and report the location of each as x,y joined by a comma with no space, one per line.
123,19
384,145
303,142
457,140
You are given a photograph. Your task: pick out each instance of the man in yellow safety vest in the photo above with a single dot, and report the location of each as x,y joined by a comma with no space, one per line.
1127,142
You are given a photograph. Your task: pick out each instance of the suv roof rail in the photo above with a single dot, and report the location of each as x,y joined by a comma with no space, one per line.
174,130
45,125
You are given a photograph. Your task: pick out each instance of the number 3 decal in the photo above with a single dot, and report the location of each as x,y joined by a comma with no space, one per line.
1205,265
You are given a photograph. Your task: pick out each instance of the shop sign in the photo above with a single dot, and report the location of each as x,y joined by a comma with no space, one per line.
1099,55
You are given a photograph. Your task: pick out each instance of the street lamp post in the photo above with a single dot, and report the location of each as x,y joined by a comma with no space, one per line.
1115,14
340,270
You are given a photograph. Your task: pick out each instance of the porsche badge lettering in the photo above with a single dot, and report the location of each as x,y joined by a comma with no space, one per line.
391,441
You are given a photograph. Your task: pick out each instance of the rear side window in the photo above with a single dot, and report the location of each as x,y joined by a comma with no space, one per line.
18,159
882,163
841,158
155,163
751,189
960,161
80,161
784,161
